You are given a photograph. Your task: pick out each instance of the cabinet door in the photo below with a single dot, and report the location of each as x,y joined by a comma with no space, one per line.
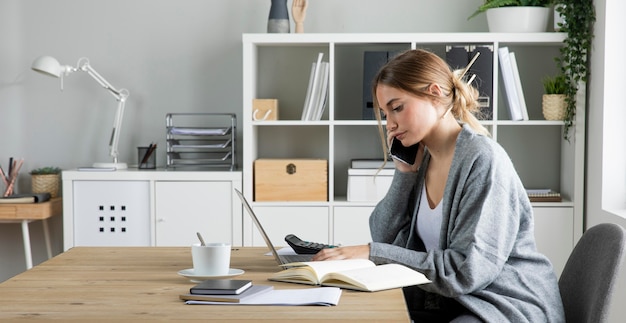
308,223
351,225
554,234
111,213
186,207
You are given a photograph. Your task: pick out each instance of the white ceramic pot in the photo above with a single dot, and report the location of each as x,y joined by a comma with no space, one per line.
518,19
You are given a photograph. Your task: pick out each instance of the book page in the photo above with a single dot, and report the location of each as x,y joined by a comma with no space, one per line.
322,268
375,278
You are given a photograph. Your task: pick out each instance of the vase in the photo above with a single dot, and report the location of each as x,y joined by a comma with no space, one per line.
518,19
278,21
553,106
46,183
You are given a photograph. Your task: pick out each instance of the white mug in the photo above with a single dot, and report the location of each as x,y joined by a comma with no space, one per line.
212,259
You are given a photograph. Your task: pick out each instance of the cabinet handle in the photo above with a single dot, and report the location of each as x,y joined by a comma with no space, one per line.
291,169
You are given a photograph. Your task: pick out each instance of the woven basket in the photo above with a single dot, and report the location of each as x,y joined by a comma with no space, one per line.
554,106
46,183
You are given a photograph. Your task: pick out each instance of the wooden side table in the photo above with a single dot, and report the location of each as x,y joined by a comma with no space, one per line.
25,213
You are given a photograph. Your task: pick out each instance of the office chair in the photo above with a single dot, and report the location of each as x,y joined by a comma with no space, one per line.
587,281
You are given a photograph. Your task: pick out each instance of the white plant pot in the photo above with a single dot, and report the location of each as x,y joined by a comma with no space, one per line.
518,19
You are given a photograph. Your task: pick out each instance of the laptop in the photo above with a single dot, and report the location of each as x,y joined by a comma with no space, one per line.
280,259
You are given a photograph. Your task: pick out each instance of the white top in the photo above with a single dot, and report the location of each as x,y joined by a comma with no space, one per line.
429,222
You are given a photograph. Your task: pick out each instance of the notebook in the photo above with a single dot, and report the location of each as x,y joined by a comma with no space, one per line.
281,259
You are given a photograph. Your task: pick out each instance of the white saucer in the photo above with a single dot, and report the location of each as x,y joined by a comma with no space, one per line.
188,273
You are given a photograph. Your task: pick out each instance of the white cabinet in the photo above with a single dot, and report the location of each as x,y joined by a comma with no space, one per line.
112,213
309,223
150,208
277,66
186,207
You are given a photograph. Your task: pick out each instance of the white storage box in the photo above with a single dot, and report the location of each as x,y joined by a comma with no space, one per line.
368,185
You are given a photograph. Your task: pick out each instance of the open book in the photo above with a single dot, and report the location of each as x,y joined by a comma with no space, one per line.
357,274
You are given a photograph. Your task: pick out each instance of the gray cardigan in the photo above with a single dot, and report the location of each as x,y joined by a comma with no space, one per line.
487,259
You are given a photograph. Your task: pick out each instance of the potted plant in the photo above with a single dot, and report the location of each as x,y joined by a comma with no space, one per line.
578,19
516,15
554,100
46,179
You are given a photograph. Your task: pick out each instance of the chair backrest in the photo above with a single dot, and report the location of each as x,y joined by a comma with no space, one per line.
587,281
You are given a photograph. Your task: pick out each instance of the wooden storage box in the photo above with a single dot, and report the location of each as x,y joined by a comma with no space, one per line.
291,180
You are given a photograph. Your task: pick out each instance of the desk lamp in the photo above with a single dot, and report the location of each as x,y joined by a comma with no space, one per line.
50,66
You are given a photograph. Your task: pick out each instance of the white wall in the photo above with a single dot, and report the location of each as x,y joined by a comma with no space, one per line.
172,55
606,150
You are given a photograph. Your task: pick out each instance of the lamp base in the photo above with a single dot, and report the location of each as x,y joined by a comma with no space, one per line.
110,165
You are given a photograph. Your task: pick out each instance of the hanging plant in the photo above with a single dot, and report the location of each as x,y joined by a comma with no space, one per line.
579,17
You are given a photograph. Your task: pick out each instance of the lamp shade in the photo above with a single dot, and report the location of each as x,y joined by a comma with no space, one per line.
47,65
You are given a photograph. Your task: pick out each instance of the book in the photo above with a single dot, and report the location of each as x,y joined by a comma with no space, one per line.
509,84
25,198
236,298
323,296
356,274
221,287
518,86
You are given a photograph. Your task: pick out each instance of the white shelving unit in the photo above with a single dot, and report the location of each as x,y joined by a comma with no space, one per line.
278,66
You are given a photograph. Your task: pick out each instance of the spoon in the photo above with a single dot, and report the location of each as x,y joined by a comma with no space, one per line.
201,240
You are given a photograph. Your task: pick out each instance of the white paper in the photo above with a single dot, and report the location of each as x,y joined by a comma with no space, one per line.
323,296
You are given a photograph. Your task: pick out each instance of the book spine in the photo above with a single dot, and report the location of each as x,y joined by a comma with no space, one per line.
518,86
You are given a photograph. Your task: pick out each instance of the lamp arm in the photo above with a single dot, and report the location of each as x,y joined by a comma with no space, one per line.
117,127
120,96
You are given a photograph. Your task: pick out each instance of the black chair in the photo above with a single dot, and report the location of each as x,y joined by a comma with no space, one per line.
587,281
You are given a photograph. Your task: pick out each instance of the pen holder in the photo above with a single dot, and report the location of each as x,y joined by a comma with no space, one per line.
146,157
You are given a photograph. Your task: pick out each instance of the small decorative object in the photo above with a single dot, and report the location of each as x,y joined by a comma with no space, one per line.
553,101
10,177
298,10
264,109
46,180
511,16
278,21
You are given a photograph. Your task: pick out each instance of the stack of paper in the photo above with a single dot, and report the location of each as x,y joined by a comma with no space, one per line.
317,91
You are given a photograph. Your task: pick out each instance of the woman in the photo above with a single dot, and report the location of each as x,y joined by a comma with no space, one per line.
460,214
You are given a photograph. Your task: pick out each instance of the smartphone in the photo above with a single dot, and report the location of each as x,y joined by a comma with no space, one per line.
406,155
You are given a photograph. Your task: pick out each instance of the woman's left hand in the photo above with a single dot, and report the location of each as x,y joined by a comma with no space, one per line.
340,253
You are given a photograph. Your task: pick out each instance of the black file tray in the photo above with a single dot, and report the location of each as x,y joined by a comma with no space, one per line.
201,140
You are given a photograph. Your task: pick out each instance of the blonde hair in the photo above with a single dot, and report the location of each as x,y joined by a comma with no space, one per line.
413,71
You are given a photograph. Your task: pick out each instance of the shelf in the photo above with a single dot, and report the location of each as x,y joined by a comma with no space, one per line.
277,66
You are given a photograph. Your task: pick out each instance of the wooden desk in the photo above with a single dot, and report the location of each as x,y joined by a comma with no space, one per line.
27,212
141,283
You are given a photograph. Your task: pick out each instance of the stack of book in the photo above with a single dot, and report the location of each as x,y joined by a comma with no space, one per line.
317,91
512,85
224,290
243,292
543,195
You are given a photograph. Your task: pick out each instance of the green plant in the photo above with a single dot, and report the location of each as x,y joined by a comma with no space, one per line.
45,171
554,84
579,17
489,4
